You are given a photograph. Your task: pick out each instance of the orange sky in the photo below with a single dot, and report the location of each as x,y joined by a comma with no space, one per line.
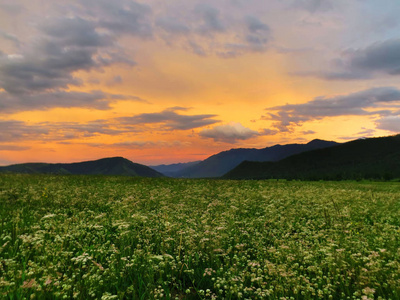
159,82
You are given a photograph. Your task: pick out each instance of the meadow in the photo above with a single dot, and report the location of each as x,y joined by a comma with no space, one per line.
97,237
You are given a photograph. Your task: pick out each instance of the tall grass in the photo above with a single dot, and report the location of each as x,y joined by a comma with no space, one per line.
82,237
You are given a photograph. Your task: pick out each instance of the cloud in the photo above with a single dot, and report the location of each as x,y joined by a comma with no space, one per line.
11,8
120,17
40,75
229,133
381,58
46,100
363,103
10,37
172,25
17,131
255,37
313,6
66,45
267,131
210,17
390,123
171,120
12,130
5,147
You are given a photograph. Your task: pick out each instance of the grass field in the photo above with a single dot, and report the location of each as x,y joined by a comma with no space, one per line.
82,237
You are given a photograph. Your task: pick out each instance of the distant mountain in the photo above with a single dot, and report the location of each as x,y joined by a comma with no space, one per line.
105,166
218,164
172,169
372,158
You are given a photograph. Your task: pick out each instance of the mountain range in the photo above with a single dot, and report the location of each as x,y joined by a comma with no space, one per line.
221,163
372,158
105,166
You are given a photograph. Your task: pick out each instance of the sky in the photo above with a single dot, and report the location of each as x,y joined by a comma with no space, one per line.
177,81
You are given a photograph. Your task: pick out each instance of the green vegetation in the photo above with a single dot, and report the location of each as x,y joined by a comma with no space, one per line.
94,237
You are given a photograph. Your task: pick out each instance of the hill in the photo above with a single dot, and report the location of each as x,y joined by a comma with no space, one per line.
219,164
105,166
173,169
373,158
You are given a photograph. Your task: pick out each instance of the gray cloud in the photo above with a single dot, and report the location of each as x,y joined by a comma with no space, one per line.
16,131
313,6
255,38
172,25
10,37
11,8
120,17
382,58
267,131
39,75
229,133
66,46
367,102
46,100
390,123
11,130
171,120
6,147
210,17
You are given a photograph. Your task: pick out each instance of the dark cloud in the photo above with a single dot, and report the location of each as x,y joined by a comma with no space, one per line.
367,102
171,120
229,133
46,100
39,76
382,58
15,131
66,46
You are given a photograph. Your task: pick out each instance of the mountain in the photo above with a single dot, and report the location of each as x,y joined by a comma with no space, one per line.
105,166
218,164
172,169
372,158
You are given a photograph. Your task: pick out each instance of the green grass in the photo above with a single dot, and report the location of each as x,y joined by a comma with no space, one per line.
93,237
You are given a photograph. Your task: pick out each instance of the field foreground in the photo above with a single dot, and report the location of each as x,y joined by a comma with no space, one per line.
82,237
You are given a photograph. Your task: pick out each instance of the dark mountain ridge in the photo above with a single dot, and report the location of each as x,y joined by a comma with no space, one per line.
172,169
105,166
219,164
372,158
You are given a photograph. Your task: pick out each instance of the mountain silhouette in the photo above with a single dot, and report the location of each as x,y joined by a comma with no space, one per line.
372,158
105,166
219,164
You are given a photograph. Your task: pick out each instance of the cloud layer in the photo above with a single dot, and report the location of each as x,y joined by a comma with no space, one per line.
375,101
170,119
229,133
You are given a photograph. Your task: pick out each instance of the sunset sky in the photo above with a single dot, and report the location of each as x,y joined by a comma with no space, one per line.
176,81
